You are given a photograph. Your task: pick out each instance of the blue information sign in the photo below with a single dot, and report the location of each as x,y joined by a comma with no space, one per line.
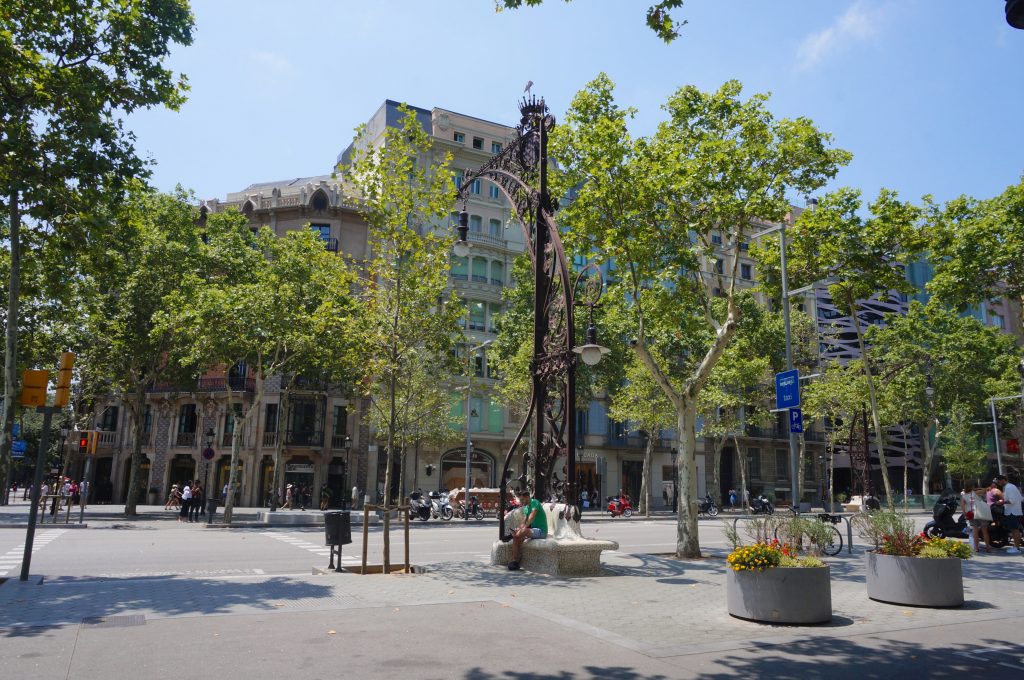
16,430
796,420
18,448
787,389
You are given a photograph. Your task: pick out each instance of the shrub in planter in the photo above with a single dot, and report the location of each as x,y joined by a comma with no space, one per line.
771,583
911,569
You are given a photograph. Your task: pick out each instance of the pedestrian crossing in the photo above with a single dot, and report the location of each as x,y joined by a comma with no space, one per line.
10,562
322,550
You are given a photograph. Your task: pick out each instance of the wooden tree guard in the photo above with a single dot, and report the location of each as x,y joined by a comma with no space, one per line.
403,511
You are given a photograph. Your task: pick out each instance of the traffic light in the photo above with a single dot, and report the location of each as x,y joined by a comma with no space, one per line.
83,443
67,362
88,440
33,387
94,440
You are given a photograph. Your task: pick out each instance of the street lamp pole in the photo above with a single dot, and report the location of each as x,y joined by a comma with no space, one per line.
469,443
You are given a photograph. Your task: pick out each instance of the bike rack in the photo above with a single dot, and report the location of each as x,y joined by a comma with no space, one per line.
844,516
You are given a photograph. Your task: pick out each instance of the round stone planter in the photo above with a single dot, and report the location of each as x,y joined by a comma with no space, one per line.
915,581
801,595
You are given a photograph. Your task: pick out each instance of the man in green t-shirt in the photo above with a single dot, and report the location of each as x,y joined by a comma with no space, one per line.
535,525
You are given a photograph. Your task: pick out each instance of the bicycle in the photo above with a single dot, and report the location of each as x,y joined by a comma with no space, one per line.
828,539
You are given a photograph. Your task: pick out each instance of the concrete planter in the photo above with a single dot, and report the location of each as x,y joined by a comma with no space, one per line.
801,595
915,581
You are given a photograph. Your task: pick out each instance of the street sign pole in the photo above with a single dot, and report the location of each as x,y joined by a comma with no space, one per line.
33,513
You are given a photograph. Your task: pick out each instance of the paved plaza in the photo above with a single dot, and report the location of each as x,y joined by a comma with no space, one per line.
153,596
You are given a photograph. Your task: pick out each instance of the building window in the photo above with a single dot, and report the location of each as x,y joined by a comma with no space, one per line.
781,464
582,423
477,317
478,365
746,272
457,177
187,420
476,224
744,246
494,310
498,273
475,188
495,147
270,424
460,268
494,192
460,138
494,228
479,270
340,420
108,421
478,143
996,320
716,239
719,266
147,420
754,463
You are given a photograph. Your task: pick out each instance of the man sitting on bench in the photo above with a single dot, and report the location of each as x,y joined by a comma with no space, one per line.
535,525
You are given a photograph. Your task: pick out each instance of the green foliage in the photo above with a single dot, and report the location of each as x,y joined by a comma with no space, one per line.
962,456
946,547
648,208
874,526
977,248
409,319
657,19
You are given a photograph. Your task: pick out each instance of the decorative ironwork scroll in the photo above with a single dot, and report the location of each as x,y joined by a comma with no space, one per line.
520,172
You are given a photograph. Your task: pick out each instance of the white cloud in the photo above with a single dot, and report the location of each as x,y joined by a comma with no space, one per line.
860,22
271,62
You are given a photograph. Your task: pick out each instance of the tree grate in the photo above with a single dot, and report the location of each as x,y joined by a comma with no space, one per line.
125,621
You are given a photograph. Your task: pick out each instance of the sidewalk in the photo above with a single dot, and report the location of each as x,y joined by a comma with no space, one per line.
648,616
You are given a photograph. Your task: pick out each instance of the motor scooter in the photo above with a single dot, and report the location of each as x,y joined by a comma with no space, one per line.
946,525
707,506
760,505
620,505
419,507
475,510
440,507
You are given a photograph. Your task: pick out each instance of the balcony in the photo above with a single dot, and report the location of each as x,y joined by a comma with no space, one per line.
485,239
237,383
185,440
766,433
269,439
304,438
340,441
331,245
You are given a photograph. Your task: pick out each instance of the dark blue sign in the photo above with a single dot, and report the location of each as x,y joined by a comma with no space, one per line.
18,448
16,430
796,420
787,389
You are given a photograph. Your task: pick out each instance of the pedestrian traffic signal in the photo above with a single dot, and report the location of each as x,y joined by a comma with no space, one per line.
87,442
83,443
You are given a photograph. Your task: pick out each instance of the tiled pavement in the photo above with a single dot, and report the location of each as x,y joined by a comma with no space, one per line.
655,605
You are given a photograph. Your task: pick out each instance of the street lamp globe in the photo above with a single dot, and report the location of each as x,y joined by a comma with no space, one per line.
461,248
591,352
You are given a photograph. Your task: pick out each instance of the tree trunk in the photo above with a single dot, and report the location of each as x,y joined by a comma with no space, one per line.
236,444
11,346
744,491
883,464
645,480
282,417
926,464
716,471
687,540
136,409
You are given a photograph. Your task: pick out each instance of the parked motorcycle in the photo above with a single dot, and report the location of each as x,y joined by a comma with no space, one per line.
707,506
476,511
440,506
760,505
946,525
419,507
620,506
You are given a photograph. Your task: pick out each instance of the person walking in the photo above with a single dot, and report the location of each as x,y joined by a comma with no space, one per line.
355,498
186,502
197,502
287,498
978,513
1012,512
325,497
173,498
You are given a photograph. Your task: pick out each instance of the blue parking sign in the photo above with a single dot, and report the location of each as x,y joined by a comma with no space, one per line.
796,420
787,389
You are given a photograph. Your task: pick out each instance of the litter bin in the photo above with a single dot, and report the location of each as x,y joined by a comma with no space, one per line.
338,527
211,509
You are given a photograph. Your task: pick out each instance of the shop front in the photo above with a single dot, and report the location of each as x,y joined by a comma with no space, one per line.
453,469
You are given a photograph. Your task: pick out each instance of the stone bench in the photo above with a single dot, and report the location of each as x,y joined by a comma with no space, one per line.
565,552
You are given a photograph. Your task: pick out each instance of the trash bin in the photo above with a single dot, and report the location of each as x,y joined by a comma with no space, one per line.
338,527
211,509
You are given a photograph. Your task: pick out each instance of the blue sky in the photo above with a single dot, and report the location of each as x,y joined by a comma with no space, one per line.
925,93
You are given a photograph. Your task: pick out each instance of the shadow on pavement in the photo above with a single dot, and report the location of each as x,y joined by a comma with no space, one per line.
588,672
839,658
32,611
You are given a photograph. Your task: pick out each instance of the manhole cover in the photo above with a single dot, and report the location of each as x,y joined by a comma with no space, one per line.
114,621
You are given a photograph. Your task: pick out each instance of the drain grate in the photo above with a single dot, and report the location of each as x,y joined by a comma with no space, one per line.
125,621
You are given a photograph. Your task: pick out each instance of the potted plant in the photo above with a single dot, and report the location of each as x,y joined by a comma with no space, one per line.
768,582
909,568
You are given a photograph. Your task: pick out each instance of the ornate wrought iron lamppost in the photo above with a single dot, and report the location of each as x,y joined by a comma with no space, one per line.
520,173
